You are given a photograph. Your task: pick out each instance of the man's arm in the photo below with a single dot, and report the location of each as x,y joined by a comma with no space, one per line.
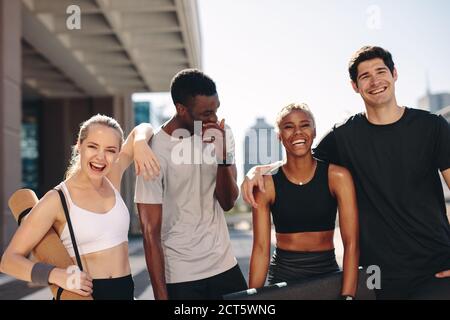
227,190
327,149
150,216
255,179
446,175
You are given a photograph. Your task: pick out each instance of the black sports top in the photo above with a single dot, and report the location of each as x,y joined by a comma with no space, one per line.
303,208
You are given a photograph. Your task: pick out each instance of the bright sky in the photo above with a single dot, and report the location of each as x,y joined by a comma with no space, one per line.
264,54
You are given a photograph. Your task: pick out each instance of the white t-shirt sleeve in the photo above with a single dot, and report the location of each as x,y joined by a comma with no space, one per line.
151,191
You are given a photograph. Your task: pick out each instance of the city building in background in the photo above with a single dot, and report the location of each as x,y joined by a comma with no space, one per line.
438,103
434,101
54,75
261,145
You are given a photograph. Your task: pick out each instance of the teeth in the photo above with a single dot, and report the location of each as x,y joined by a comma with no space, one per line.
96,166
299,142
378,91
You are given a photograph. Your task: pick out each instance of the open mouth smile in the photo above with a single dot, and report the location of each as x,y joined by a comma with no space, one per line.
378,91
97,167
299,142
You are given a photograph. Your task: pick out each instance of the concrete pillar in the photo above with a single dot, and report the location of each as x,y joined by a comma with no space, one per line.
124,113
10,112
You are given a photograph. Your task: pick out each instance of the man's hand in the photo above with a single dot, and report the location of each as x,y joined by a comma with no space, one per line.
215,133
254,178
443,274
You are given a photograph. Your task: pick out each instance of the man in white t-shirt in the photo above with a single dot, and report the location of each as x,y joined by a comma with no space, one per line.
187,245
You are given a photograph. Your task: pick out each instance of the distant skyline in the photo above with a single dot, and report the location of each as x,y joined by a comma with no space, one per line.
264,54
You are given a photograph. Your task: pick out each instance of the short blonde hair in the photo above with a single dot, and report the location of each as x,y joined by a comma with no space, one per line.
294,107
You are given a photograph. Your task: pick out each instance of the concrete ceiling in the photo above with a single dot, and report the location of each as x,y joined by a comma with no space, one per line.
123,46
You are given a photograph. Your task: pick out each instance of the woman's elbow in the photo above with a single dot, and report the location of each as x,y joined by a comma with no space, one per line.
351,246
261,251
2,267
4,263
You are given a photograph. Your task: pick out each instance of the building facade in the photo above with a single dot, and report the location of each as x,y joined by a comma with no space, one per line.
62,61
261,145
434,101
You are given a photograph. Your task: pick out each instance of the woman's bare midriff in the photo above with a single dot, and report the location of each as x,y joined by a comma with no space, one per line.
107,264
306,241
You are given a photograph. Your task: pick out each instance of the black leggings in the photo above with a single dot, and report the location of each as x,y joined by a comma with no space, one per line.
292,266
113,289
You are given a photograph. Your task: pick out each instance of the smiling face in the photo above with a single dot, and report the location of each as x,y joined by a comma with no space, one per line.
297,133
375,83
99,150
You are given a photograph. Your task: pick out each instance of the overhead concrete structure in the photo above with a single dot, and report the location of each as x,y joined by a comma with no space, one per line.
52,77
121,46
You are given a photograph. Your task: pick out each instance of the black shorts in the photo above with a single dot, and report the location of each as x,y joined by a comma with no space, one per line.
113,289
213,288
292,266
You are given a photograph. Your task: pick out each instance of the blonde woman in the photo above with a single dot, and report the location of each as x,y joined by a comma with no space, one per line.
99,216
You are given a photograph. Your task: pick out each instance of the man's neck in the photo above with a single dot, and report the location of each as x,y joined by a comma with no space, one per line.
384,114
174,124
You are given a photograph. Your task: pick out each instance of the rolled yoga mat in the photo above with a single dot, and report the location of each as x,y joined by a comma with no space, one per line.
326,287
50,249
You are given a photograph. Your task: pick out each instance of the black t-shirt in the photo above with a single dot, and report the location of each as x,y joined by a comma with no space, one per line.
404,228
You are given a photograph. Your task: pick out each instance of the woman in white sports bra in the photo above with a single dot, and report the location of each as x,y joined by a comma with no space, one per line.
99,216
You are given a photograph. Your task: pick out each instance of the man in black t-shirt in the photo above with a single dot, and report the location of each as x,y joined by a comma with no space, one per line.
394,154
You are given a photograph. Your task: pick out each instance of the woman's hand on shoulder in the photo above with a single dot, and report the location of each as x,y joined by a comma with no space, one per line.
145,161
265,198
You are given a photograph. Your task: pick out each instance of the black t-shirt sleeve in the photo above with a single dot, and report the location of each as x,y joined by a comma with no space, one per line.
327,149
443,144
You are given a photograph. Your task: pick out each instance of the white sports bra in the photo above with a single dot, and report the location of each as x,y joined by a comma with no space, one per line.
96,231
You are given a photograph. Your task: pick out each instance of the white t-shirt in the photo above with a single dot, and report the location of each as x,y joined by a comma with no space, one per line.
194,232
